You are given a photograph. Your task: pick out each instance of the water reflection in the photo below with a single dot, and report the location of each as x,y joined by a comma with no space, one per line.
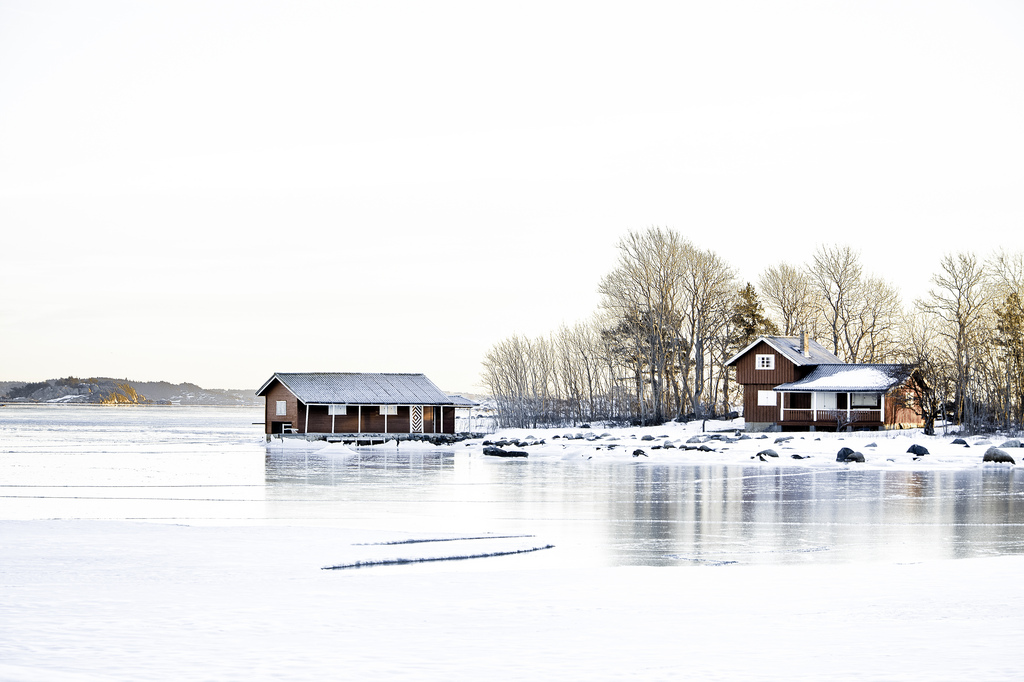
621,513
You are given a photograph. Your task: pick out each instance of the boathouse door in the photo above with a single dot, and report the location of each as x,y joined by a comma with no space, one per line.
416,419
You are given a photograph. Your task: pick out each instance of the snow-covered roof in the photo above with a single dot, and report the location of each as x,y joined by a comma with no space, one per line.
789,346
361,388
462,401
850,379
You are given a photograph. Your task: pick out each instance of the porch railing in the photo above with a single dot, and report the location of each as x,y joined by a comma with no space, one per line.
852,416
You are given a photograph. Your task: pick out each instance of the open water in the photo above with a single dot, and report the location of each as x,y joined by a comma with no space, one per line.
210,466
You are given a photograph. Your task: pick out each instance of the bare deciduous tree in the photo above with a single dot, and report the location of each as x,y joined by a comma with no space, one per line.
958,304
789,297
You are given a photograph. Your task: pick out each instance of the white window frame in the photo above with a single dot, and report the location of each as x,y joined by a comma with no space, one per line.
869,401
337,410
767,399
282,408
389,410
766,362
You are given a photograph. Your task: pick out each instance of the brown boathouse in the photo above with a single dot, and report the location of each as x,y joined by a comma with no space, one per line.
358,406
796,384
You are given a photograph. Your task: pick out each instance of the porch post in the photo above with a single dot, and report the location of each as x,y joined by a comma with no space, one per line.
814,407
782,407
307,419
385,420
849,405
359,419
882,416
333,410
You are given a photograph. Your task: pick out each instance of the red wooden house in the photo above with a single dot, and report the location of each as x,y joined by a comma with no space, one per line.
795,383
362,406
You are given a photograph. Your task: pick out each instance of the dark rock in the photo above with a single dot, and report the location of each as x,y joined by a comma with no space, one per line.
768,452
799,457
639,453
783,439
918,450
848,455
705,448
493,451
960,441
696,439
669,446
994,454
871,445
1012,443
648,437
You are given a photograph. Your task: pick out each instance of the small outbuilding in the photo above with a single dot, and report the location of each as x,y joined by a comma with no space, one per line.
359,406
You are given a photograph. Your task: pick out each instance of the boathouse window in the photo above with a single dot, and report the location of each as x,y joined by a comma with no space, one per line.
337,409
766,398
391,410
764,361
282,408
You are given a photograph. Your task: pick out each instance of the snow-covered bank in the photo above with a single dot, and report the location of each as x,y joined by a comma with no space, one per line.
717,442
87,600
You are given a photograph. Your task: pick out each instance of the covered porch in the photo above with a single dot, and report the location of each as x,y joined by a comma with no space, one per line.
828,411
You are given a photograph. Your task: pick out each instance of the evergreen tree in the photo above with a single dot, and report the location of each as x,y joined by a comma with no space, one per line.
748,318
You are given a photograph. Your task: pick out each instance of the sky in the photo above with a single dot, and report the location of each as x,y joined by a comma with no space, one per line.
215,191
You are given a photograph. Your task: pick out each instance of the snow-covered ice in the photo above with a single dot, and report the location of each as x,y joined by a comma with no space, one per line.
704,564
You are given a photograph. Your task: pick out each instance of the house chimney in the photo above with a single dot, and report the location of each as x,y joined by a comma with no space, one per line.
805,343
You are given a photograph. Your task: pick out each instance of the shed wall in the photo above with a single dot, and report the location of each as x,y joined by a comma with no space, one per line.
272,422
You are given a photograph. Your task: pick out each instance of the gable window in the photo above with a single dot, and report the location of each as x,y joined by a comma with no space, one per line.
764,361
282,408
391,410
765,398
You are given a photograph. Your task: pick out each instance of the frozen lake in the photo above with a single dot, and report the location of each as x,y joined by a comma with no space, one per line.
209,466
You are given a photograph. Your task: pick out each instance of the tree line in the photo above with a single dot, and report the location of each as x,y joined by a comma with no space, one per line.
672,314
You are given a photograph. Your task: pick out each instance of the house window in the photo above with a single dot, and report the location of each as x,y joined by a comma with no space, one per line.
868,400
390,410
282,408
764,361
337,409
765,398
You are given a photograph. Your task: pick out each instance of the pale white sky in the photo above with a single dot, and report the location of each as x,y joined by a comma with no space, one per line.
214,191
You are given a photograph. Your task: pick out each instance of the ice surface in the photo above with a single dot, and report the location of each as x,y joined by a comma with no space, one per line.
795,569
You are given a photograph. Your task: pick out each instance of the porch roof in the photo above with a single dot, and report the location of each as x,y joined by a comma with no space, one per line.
850,379
362,388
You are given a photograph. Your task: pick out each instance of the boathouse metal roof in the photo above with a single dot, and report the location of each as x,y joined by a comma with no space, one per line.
361,388
850,379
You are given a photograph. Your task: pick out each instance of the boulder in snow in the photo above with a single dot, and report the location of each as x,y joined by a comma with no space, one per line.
848,455
994,454
918,450
493,451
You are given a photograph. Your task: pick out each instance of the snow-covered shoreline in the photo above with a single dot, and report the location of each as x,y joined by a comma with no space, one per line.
690,443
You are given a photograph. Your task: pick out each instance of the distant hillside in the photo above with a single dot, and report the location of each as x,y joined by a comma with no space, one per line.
106,390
